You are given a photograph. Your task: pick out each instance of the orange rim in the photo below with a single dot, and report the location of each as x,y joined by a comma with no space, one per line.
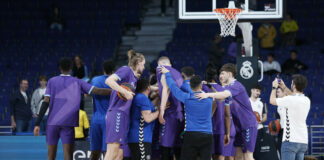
229,13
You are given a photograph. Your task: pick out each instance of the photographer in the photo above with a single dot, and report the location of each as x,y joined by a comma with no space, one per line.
297,105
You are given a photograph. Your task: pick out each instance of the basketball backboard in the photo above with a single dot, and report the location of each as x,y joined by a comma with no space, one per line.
252,10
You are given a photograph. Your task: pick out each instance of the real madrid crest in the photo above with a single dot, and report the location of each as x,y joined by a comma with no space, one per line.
246,70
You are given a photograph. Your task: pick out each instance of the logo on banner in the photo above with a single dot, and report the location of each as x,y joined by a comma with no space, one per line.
246,70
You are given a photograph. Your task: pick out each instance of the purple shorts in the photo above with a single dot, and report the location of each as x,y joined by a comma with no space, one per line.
116,127
246,139
170,132
54,133
220,149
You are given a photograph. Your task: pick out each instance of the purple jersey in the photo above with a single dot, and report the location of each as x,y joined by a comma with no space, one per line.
125,75
65,96
241,108
175,105
218,118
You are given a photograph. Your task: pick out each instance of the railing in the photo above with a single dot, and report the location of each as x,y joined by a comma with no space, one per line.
316,140
5,130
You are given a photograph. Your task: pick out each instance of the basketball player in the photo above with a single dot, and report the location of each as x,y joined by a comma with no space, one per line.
143,115
62,96
257,105
187,73
243,116
198,134
171,118
117,117
220,151
100,107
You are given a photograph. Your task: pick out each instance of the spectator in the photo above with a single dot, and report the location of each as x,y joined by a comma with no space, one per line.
271,66
56,19
288,30
267,33
258,106
296,106
216,52
20,108
281,117
292,65
80,70
82,131
36,102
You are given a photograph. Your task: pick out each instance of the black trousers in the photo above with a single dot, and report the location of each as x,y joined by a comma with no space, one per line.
167,153
140,151
196,143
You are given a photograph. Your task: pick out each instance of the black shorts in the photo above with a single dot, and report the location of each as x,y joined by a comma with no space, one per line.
140,151
196,143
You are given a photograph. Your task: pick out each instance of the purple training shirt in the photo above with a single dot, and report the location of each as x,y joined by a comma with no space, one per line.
241,108
175,105
125,75
218,119
65,96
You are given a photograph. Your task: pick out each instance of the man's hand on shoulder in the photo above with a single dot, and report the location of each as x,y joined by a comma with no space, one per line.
163,70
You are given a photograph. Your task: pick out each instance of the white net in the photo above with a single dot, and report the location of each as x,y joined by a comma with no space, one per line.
227,20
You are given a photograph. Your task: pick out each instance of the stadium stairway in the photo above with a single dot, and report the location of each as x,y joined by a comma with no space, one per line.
154,34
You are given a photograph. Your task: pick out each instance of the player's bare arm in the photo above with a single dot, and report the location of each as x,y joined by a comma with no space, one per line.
164,99
101,91
149,116
227,124
111,81
273,92
216,95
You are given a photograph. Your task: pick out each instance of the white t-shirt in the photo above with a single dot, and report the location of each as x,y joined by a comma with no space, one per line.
274,65
42,91
282,113
297,108
257,106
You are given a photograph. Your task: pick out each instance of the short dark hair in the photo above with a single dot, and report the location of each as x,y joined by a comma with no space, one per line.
271,55
142,85
188,71
108,66
23,79
195,82
65,64
290,14
211,74
229,67
293,51
42,78
257,86
75,56
300,82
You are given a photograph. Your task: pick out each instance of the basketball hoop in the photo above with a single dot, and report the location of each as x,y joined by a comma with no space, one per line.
227,20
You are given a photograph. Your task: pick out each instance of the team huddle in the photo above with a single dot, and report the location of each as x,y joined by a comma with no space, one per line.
197,118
